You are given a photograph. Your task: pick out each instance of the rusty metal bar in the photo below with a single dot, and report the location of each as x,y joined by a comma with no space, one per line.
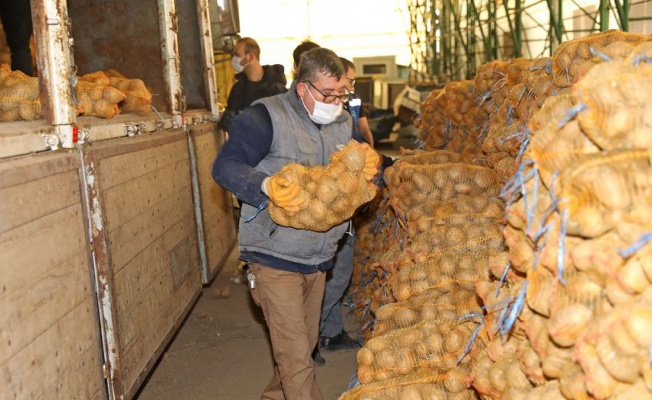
56,67
206,36
170,52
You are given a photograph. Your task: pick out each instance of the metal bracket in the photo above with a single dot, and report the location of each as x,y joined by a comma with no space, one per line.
82,136
135,129
52,141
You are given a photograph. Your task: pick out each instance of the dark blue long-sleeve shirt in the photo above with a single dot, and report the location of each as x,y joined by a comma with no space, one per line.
250,141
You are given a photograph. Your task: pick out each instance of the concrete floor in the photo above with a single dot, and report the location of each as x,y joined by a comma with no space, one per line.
222,351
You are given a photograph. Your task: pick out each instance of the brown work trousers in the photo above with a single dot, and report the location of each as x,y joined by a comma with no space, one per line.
291,304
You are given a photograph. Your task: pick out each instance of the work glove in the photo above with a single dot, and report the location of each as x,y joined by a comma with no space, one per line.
283,191
372,161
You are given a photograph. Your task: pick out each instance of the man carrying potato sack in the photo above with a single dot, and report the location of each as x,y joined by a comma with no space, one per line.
302,126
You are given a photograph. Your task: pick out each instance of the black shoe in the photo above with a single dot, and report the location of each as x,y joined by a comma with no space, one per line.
317,359
341,341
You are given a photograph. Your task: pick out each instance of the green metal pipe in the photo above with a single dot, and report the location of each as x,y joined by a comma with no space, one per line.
622,9
518,34
604,15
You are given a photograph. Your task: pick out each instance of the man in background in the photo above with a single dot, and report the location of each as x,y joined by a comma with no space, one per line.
253,81
298,51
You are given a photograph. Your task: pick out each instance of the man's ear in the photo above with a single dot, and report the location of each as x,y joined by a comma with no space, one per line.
301,89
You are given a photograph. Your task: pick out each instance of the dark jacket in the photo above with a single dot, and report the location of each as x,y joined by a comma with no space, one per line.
258,146
245,92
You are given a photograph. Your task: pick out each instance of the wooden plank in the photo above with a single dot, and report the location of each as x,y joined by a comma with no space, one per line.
135,361
145,284
125,167
21,204
31,310
71,344
114,147
23,137
134,197
31,250
128,240
217,208
18,170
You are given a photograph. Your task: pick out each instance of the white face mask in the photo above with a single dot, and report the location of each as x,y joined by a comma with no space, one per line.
235,63
323,113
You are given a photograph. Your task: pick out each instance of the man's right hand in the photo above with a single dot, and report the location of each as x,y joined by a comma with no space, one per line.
283,191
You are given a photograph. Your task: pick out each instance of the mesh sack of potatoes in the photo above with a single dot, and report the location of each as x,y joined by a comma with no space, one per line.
426,383
617,110
445,269
392,174
440,344
460,106
614,352
19,96
570,56
430,305
454,211
138,98
419,183
95,97
601,191
467,236
487,79
500,379
331,193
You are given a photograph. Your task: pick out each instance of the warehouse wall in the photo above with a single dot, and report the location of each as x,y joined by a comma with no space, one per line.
353,29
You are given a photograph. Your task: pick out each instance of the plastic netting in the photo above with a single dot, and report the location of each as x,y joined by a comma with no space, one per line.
138,98
441,344
430,305
420,183
426,383
19,95
331,193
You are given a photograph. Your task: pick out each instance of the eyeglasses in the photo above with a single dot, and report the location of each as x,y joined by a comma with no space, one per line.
329,98
351,81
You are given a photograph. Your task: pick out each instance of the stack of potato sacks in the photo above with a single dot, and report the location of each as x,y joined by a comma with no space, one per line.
567,310
450,219
100,94
580,236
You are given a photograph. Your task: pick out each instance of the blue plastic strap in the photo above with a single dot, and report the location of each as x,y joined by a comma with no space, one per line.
512,312
599,54
353,382
502,278
561,247
260,208
571,114
634,248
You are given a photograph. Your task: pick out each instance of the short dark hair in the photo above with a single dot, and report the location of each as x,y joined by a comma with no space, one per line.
318,60
250,46
302,48
347,64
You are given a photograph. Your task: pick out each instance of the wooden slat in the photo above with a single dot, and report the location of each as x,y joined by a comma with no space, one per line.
162,292
134,197
20,204
135,361
145,284
69,347
115,147
31,310
16,171
125,167
23,137
32,250
217,208
128,240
